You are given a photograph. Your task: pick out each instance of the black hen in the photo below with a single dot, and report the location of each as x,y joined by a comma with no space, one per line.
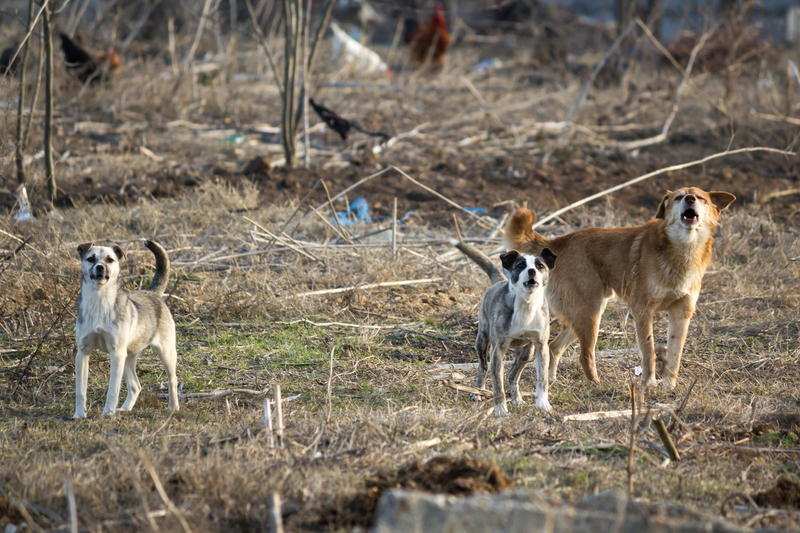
341,125
7,67
86,66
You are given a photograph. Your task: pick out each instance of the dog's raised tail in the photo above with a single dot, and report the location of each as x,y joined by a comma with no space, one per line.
481,259
519,234
161,277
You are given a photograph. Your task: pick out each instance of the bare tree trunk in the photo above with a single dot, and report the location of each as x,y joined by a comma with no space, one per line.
289,57
48,114
21,100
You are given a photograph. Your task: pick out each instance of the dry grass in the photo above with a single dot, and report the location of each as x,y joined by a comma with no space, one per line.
234,331
237,328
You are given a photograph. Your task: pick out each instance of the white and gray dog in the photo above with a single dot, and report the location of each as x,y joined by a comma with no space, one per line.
514,312
121,323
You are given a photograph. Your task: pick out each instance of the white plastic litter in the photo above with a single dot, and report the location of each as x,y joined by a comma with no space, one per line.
354,52
24,213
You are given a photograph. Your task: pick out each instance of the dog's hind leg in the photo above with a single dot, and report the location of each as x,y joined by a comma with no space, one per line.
680,313
132,382
562,341
586,329
81,381
522,358
118,356
482,349
169,356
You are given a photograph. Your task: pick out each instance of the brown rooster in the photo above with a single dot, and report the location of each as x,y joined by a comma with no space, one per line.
87,66
431,40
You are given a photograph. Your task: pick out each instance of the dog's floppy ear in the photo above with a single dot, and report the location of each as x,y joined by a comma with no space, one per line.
721,199
549,258
118,251
83,248
662,207
508,259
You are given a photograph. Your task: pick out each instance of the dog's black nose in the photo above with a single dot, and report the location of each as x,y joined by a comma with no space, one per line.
99,268
690,199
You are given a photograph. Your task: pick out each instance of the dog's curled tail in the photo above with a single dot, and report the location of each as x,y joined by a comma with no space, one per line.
481,259
519,234
161,277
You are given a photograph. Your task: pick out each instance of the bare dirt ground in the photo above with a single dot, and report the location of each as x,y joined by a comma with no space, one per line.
160,157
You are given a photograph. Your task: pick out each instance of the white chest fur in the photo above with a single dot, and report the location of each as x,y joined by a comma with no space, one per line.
528,319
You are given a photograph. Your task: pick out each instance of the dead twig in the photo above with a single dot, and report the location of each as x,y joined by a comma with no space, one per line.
148,465
665,170
667,440
362,287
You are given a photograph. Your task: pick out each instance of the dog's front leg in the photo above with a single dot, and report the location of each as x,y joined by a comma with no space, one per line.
680,313
118,355
523,356
497,353
81,380
543,374
644,334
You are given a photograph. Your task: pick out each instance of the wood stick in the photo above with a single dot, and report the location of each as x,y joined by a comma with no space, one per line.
278,415
329,396
667,440
394,227
473,390
268,423
447,200
362,287
353,186
72,508
148,465
342,231
275,517
658,172
632,439
777,194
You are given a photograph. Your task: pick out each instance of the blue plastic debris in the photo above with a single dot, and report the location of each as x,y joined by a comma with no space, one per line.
476,210
357,212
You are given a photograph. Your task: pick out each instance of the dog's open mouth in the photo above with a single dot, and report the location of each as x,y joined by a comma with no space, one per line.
690,217
531,284
98,277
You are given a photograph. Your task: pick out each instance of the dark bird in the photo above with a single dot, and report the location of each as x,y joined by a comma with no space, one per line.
87,66
341,125
431,40
7,66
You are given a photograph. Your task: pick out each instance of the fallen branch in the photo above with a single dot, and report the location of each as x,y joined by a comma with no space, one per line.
667,440
607,415
473,390
658,172
777,194
362,287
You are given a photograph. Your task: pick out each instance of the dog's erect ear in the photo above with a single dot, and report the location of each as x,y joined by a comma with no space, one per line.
721,199
549,258
662,207
508,259
83,248
118,251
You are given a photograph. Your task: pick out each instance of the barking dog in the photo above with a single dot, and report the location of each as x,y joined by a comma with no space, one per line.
658,266
121,323
514,313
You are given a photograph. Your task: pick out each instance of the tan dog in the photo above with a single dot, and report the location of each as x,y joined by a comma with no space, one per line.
658,266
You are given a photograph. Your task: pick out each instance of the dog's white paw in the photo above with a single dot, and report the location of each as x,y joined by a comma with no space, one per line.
77,415
501,410
516,398
108,412
543,404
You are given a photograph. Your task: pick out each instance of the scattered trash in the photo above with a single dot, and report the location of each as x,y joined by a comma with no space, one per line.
110,138
354,52
357,212
792,67
637,371
486,64
24,213
236,138
476,210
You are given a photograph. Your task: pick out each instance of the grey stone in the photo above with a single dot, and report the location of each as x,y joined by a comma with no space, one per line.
402,511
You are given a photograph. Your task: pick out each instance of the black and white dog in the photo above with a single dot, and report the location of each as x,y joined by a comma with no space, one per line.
122,323
514,313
